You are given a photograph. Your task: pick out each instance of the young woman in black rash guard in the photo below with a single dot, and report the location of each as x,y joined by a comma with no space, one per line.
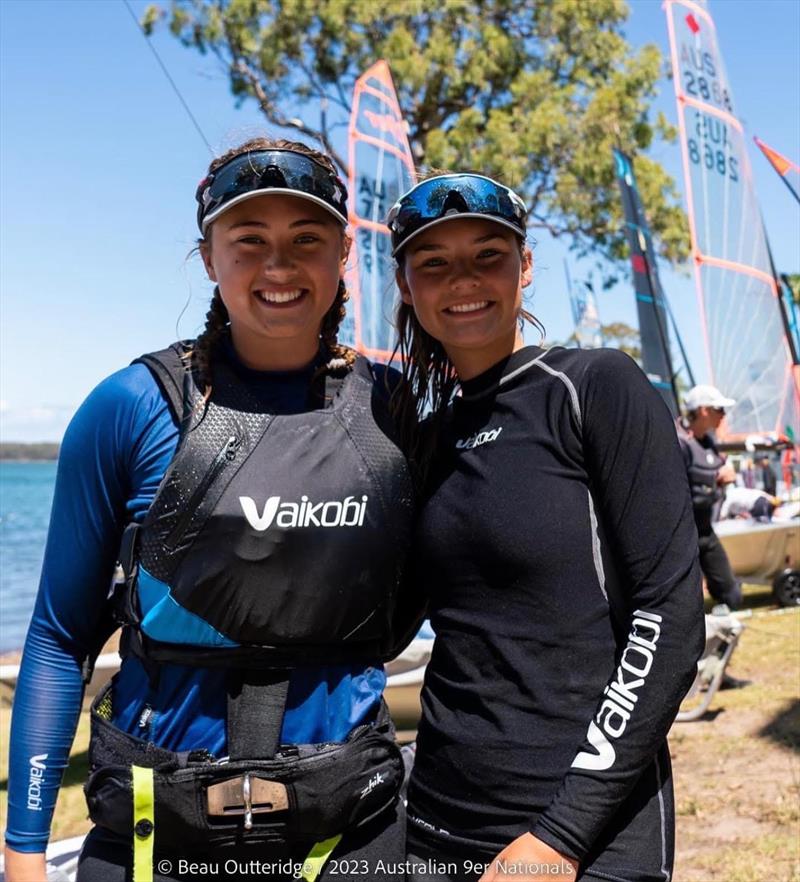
559,553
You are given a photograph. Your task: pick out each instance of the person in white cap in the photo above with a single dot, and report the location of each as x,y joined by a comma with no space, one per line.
708,473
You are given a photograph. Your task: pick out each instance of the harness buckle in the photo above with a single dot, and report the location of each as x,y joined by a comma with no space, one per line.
248,796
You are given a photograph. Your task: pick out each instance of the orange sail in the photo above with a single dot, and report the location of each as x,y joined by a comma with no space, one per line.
381,169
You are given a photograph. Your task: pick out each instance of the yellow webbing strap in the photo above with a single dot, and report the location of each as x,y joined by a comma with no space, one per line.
143,824
319,854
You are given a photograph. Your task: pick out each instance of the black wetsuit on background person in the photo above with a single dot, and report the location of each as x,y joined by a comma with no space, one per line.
559,551
703,462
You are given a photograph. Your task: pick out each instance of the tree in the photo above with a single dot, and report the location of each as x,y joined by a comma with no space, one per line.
534,92
793,281
617,335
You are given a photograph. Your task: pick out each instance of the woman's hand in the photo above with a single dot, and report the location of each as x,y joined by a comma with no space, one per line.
528,859
24,867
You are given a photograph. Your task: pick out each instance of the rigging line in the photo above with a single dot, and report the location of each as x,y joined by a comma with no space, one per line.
169,78
680,340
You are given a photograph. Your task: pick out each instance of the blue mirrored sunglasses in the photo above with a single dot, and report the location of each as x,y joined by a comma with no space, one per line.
260,171
458,195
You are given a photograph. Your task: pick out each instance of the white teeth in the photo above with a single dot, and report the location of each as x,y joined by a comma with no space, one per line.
468,307
280,296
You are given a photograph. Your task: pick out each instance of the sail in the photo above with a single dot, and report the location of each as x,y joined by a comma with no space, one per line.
588,333
650,303
381,169
747,351
788,171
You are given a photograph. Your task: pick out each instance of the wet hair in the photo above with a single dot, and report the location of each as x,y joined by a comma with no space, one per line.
200,356
429,380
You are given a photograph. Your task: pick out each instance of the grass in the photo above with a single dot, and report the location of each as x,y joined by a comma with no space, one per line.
737,771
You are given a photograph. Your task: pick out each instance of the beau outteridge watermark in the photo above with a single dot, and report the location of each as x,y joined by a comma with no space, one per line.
369,869
233,867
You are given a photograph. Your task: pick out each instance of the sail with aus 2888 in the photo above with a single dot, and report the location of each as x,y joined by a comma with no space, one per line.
747,349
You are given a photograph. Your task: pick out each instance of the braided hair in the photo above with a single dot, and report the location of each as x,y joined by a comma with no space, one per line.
200,357
215,328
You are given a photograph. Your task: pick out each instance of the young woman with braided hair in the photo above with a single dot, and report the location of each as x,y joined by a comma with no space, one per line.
557,546
250,488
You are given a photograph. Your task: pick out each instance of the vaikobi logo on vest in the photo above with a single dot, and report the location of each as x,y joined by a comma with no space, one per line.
291,515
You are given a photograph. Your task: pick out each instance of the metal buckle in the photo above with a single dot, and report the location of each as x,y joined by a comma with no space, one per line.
248,796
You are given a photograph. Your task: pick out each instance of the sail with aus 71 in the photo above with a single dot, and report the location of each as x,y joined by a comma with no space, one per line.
381,170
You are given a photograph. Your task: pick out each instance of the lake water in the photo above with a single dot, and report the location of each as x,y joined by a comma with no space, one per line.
26,494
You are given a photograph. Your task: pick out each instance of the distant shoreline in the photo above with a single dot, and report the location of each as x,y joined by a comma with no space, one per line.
29,459
18,452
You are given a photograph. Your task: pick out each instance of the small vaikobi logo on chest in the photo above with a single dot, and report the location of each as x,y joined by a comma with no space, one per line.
477,439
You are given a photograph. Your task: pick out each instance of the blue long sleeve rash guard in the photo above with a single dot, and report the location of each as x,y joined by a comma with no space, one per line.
112,460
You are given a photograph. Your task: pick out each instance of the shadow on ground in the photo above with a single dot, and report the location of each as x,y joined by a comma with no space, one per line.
784,729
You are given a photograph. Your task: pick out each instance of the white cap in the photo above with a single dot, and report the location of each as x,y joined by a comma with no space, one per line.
706,396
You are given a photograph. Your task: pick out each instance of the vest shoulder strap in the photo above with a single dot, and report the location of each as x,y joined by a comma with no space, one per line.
169,369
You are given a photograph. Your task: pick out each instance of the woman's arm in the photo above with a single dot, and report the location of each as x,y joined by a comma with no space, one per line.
22,867
639,485
102,461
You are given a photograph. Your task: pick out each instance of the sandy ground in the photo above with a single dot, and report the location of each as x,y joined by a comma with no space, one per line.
737,771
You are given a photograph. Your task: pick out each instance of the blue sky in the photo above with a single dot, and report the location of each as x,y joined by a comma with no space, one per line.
99,163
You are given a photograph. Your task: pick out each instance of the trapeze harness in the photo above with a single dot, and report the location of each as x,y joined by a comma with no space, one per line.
273,541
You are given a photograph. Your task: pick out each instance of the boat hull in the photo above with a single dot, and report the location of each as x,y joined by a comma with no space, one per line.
760,552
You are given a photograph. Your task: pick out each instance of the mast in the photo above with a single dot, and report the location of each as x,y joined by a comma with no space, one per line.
650,301
792,318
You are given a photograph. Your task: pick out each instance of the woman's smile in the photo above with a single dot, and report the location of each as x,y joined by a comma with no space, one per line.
279,298
469,309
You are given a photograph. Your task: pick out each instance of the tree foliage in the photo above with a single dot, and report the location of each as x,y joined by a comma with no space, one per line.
793,280
533,92
622,336
617,335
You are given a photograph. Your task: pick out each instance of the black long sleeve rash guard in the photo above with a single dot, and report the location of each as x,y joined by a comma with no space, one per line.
559,551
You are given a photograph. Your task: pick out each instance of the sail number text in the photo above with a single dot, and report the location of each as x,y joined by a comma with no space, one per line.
699,73
712,147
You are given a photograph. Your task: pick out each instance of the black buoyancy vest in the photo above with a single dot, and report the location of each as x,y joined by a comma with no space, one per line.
273,540
703,463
